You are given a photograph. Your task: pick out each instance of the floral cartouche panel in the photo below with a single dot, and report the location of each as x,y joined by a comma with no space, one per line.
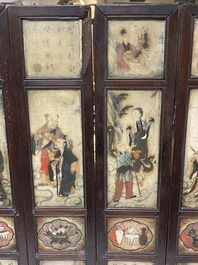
133,126
188,236
194,66
190,177
56,133
129,263
7,234
61,234
8,262
5,187
52,49
137,235
61,262
136,48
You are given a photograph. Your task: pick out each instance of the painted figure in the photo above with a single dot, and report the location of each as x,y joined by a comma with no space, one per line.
44,140
135,160
139,139
192,173
124,175
126,52
2,192
66,167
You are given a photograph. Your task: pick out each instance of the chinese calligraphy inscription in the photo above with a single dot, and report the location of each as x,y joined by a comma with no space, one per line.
52,49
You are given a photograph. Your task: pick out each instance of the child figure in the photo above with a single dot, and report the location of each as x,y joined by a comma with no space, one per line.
124,175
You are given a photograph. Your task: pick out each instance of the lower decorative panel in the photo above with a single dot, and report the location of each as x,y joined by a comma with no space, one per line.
188,236
137,235
61,234
7,235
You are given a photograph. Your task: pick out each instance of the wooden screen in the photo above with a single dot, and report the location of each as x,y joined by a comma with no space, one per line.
51,50
182,247
13,248
135,73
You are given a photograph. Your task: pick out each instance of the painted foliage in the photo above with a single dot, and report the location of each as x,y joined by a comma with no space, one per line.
5,185
190,175
131,235
56,135
65,234
136,48
133,127
60,48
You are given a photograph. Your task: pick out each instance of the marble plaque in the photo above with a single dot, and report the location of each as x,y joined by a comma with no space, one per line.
190,176
69,262
188,236
5,185
8,262
137,235
133,133
61,234
56,136
129,263
52,49
194,65
7,234
136,48
187,263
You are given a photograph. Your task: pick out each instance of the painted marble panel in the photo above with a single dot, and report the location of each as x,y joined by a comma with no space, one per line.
194,65
61,234
56,135
7,234
8,262
188,236
133,133
190,177
5,185
187,263
137,235
129,263
70,262
52,49
136,48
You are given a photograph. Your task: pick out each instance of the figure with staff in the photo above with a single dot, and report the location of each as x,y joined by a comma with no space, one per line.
65,162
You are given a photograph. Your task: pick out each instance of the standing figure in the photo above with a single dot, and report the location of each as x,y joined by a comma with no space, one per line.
139,139
66,168
44,140
124,175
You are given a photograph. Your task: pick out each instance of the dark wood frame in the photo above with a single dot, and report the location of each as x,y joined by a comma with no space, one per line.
16,211
15,86
84,84
167,85
185,84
